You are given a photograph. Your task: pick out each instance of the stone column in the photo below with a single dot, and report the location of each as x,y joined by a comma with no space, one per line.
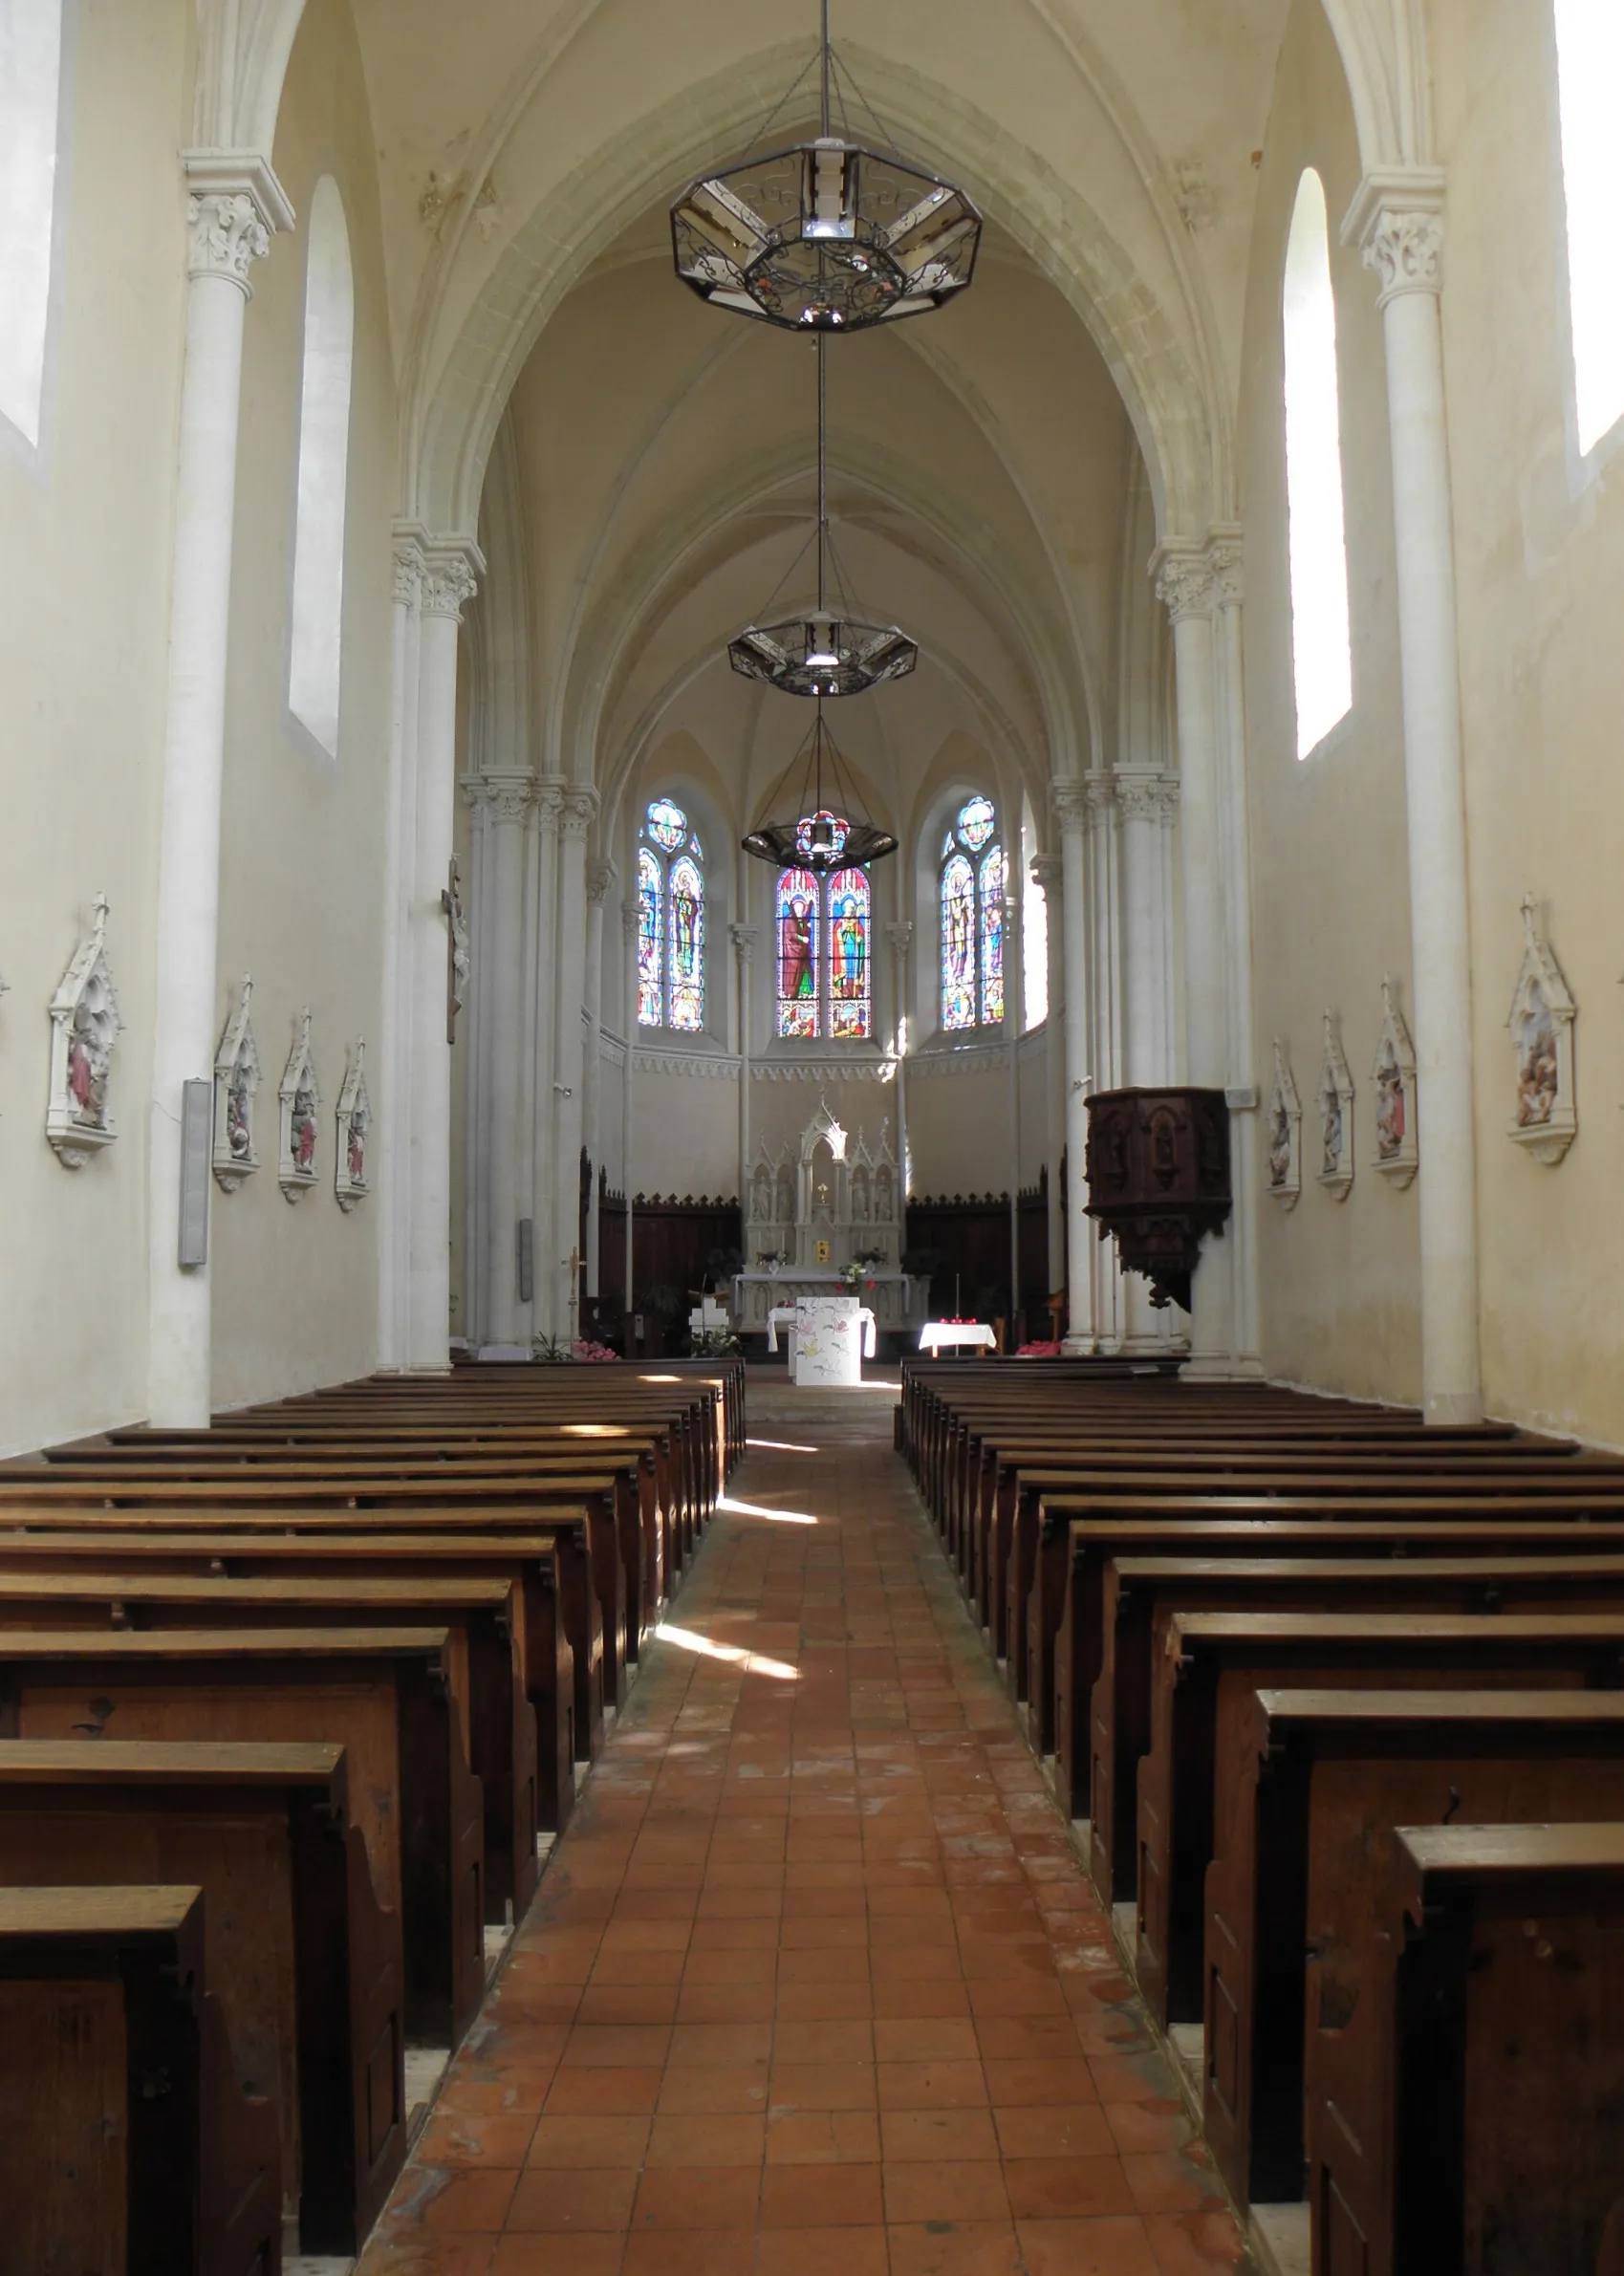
1103,952
1226,558
1184,584
392,1092
447,583
1071,802
630,918
1398,219
745,938
1148,806
1047,873
502,804
475,1029
542,957
579,806
901,935
234,206
601,876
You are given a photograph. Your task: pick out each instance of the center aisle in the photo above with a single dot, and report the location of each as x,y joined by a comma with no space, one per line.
814,1982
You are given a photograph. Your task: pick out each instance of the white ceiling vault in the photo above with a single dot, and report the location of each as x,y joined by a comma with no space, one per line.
988,465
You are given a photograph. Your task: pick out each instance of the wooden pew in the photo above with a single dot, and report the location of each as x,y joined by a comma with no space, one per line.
102,1993
498,1722
1310,1785
1500,1963
581,1506
1162,1852
305,1963
382,1694
1068,1598
558,1603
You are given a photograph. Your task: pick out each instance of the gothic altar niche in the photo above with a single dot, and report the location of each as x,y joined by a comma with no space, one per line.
1284,1131
299,1100
354,1117
815,1206
236,1079
1398,1150
1540,1022
1335,1116
84,1025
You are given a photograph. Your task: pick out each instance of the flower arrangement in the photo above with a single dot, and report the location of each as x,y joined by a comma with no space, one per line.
1038,1351
714,1343
769,1260
596,1354
558,1351
854,1276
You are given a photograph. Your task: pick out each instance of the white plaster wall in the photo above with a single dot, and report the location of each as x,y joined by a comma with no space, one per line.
295,1299
1339,1293
83,624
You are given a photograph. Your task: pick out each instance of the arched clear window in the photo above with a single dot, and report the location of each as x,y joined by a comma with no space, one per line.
324,453
972,879
1321,643
850,991
671,920
31,77
1589,69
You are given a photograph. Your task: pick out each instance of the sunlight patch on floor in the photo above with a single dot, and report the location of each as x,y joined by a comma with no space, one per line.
753,1663
782,1517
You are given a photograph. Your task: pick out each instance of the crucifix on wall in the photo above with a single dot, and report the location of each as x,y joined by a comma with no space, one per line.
457,957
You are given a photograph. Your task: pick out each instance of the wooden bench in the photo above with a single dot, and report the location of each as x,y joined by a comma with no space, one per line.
498,1722
1310,1787
1068,1600
583,1506
1159,1850
382,1694
126,2140
305,1963
1502,1981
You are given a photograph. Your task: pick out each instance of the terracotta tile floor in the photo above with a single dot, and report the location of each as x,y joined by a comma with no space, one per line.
814,1982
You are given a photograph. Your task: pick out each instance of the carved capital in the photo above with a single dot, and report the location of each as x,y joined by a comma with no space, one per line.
1049,872
1184,579
600,877
900,936
499,797
1226,558
577,807
1148,797
448,581
1072,801
1396,221
745,939
549,804
631,917
227,234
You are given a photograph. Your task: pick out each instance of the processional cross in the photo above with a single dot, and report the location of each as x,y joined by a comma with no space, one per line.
458,961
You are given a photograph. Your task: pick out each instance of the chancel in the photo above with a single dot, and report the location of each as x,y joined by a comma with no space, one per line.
809,1146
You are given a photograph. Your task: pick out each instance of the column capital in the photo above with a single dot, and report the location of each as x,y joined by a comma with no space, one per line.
1396,221
1183,579
499,797
1071,796
1049,874
1226,562
1147,797
601,876
631,919
449,575
235,206
549,804
577,808
407,542
745,939
901,935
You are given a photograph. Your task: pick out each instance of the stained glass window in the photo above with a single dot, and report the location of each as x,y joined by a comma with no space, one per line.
958,943
650,1007
670,922
687,945
797,948
973,879
850,985
992,882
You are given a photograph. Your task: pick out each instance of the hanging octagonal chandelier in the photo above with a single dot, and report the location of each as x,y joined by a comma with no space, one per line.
821,835
828,652
826,236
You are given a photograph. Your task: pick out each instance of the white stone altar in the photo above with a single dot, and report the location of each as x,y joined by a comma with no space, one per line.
822,1204
828,1343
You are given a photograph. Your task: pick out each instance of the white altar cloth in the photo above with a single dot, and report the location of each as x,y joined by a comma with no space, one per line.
949,1335
783,1315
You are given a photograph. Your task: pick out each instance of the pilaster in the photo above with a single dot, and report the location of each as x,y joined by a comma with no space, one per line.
1069,799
